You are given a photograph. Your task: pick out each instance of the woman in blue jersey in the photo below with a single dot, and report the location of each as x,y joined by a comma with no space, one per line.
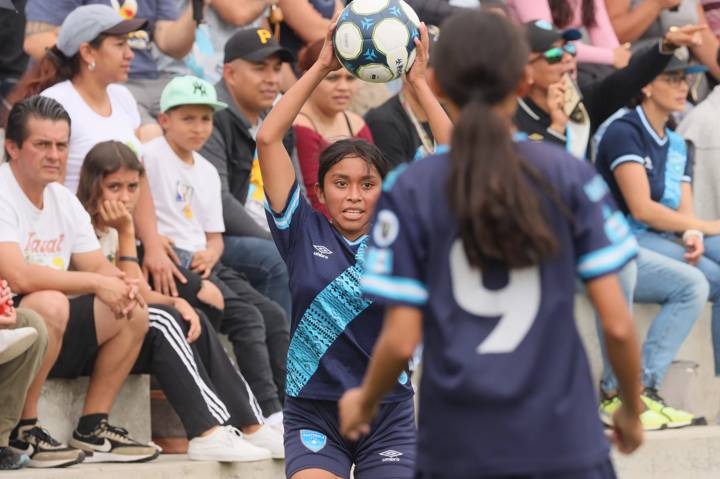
477,251
649,171
333,327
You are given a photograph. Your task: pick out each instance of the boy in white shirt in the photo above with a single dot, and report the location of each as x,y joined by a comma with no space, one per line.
186,191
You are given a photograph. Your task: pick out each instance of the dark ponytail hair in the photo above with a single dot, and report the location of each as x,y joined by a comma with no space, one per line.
491,190
562,12
103,159
54,67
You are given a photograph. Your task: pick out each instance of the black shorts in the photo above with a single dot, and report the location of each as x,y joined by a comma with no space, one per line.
80,344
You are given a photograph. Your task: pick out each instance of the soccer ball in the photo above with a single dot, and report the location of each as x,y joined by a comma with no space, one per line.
374,39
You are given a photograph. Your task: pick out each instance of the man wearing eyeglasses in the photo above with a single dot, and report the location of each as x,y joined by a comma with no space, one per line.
551,111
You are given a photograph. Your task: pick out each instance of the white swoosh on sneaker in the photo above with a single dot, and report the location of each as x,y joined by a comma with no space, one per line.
106,447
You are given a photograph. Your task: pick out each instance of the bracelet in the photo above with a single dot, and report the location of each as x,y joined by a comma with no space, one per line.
693,233
133,259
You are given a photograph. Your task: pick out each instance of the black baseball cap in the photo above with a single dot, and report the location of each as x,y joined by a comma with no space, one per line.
255,45
542,34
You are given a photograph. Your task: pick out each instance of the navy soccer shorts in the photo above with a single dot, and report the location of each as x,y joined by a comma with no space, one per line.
313,441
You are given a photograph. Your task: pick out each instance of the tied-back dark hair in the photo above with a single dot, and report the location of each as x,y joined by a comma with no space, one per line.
491,190
103,159
36,106
54,67
351,147
562,12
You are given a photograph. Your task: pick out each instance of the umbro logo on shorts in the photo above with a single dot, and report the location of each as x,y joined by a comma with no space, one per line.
390,456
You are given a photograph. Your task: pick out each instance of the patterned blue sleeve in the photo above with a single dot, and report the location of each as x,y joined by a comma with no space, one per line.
396,256
601,235
285,225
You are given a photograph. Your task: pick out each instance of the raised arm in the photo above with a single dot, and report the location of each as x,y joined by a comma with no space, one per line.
438,118
275,164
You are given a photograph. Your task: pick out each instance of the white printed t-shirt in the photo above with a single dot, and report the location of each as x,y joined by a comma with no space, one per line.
88,128
187,197
47,236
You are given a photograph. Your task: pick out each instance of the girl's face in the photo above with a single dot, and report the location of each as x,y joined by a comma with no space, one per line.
112,59
351,189
668,91
335,92
123,186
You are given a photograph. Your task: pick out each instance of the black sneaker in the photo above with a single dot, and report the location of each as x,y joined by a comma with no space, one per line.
44,450
112,444
9,460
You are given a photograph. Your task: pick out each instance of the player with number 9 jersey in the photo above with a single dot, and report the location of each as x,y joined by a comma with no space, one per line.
478,251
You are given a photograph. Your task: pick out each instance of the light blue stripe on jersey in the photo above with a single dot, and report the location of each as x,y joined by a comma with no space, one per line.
607,259
624,159
282,221
393,288
324,320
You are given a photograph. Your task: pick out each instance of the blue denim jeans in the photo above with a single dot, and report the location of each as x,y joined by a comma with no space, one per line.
259,260
681,290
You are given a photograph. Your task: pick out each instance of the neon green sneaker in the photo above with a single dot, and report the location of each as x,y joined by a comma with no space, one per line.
676,417
651,420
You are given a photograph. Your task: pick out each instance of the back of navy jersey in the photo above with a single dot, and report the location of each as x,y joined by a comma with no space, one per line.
333,327
506,385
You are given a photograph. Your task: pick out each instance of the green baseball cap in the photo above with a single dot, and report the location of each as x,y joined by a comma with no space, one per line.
189,90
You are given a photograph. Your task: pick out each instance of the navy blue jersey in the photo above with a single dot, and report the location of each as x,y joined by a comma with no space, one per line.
631,138
334,327
506,385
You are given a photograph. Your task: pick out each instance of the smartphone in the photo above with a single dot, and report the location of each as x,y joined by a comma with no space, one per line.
573,97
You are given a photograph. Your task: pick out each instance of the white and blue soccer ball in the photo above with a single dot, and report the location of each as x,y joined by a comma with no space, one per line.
374,39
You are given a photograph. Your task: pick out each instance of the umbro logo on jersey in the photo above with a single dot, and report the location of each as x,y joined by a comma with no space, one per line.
648,163
391,456
321,251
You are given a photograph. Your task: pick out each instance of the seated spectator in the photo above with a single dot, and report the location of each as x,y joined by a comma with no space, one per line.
181,349
649,173
13,59
189,209
400,127
81,72
643,22
43,231
306,21
701,128
250,85
325,119
171,31
603,48
541,112
23,342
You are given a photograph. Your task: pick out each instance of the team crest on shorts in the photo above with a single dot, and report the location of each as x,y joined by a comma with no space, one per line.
313,440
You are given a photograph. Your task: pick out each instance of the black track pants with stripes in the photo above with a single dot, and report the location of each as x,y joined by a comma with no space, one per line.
198,379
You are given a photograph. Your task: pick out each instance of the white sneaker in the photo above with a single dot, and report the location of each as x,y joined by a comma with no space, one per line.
275,421
226,444
14,342
268,438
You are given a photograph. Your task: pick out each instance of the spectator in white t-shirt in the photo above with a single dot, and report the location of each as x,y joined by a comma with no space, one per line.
186,188
43,231
83,72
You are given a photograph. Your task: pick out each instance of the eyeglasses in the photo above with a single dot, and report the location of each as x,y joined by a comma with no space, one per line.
555,55
675,80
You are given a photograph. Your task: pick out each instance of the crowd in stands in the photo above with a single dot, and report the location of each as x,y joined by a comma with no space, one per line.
133,228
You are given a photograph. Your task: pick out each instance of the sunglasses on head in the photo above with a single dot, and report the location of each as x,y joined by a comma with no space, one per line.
555,55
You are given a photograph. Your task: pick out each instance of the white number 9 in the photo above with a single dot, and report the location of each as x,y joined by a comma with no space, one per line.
517,303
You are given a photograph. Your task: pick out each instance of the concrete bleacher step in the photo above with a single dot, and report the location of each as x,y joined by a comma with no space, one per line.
168,466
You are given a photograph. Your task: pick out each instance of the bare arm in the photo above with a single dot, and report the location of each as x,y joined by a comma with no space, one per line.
305,21
630,23
239,13
176,38
275,164
624,355
39,36
401,333
706,52
634,186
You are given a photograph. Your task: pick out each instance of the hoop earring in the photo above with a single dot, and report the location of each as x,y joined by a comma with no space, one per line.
91,66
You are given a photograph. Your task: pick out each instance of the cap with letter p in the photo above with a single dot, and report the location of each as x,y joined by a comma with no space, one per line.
255,45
